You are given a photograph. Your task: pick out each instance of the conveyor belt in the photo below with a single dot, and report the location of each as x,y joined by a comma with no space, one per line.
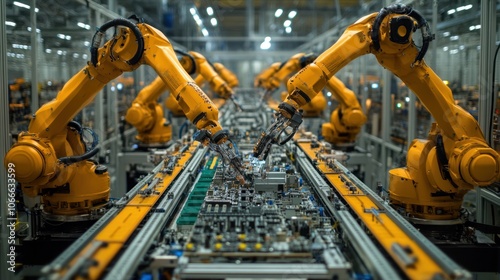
99,251
414,254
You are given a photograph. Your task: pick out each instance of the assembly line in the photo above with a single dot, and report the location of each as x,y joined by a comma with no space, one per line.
251,182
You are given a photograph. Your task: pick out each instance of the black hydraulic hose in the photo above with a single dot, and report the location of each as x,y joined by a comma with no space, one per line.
75,159
307,59
76,125
441,157
96,40
427,36
493,94
193,61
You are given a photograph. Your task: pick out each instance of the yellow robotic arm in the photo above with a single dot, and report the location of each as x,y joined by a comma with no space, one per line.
292,65
287,68
264,76
346,120
196,63
146,115
440,169
51,159
227,75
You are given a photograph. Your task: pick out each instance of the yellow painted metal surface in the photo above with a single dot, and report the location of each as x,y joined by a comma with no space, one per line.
380,225
116,233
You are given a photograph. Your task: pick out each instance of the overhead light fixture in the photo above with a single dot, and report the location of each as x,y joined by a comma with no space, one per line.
464,8
451,11
67,37
22,5
213,21
48,50
278,13
287,23
445,49
29,29
292,14
86,43
265,45
19,46
60,36
197,19
407,99
210,11
446,34
288,29
192,11
474,27
328,94
205,32
83,25
454,51
85,56
75,55
10,23
462,47
454,38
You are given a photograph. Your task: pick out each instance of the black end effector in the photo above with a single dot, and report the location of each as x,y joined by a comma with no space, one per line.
401,9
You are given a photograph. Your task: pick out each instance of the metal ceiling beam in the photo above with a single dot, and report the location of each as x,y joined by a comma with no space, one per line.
241,39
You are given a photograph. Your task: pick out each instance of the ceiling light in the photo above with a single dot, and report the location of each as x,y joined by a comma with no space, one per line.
407,99
67,37
197,19
267,39
83,25
446,34
59,52
10,23
328,94
60,36
462,47
48,50
287,23
265,45
278,13
454,51
85,56
288,29
445,49
193,11
213,21
86,43
205,32
75,55
210,11
29,29
292,14
454,38
452,11
22,5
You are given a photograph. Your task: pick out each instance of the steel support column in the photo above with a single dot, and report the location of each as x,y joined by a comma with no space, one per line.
487,39
4,142
99,99
386,121
412,118
34,48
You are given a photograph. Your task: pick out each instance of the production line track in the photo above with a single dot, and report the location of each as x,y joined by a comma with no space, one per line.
91,254
417,257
